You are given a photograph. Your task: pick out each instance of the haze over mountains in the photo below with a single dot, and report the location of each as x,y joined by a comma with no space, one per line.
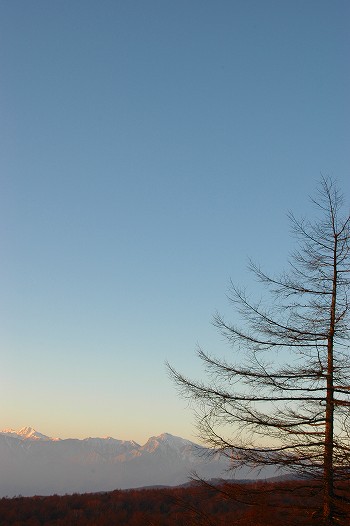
32,463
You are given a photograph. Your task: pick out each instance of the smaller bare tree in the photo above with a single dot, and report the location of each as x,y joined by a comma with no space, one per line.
287,383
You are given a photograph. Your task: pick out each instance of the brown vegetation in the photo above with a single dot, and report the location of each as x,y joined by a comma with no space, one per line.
288,503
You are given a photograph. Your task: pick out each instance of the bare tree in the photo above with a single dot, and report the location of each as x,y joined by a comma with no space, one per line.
287,383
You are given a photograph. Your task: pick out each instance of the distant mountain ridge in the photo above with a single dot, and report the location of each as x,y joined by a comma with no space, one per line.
32,463
26,433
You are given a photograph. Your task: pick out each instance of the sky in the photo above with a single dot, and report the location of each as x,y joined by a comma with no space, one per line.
148,149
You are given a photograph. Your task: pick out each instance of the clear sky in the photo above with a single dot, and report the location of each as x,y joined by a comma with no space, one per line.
148,148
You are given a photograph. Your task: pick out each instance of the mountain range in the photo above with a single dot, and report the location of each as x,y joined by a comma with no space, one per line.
32,463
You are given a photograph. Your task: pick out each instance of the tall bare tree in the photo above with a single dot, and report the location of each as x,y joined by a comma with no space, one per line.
287,382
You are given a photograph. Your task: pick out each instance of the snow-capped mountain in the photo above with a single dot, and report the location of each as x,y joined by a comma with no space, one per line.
26,433
32,463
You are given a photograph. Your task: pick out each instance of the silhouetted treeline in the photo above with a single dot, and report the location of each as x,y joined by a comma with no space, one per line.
287,503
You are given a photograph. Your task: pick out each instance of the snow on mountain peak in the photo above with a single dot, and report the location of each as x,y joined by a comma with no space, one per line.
26,433
69,463
165,441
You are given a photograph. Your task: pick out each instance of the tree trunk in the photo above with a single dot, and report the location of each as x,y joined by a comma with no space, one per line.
328,497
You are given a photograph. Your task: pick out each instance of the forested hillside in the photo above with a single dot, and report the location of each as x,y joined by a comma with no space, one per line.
197,505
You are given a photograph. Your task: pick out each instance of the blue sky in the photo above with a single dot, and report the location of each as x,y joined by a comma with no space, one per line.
148,148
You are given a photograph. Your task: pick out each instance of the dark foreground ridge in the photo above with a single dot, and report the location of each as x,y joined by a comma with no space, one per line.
280,502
